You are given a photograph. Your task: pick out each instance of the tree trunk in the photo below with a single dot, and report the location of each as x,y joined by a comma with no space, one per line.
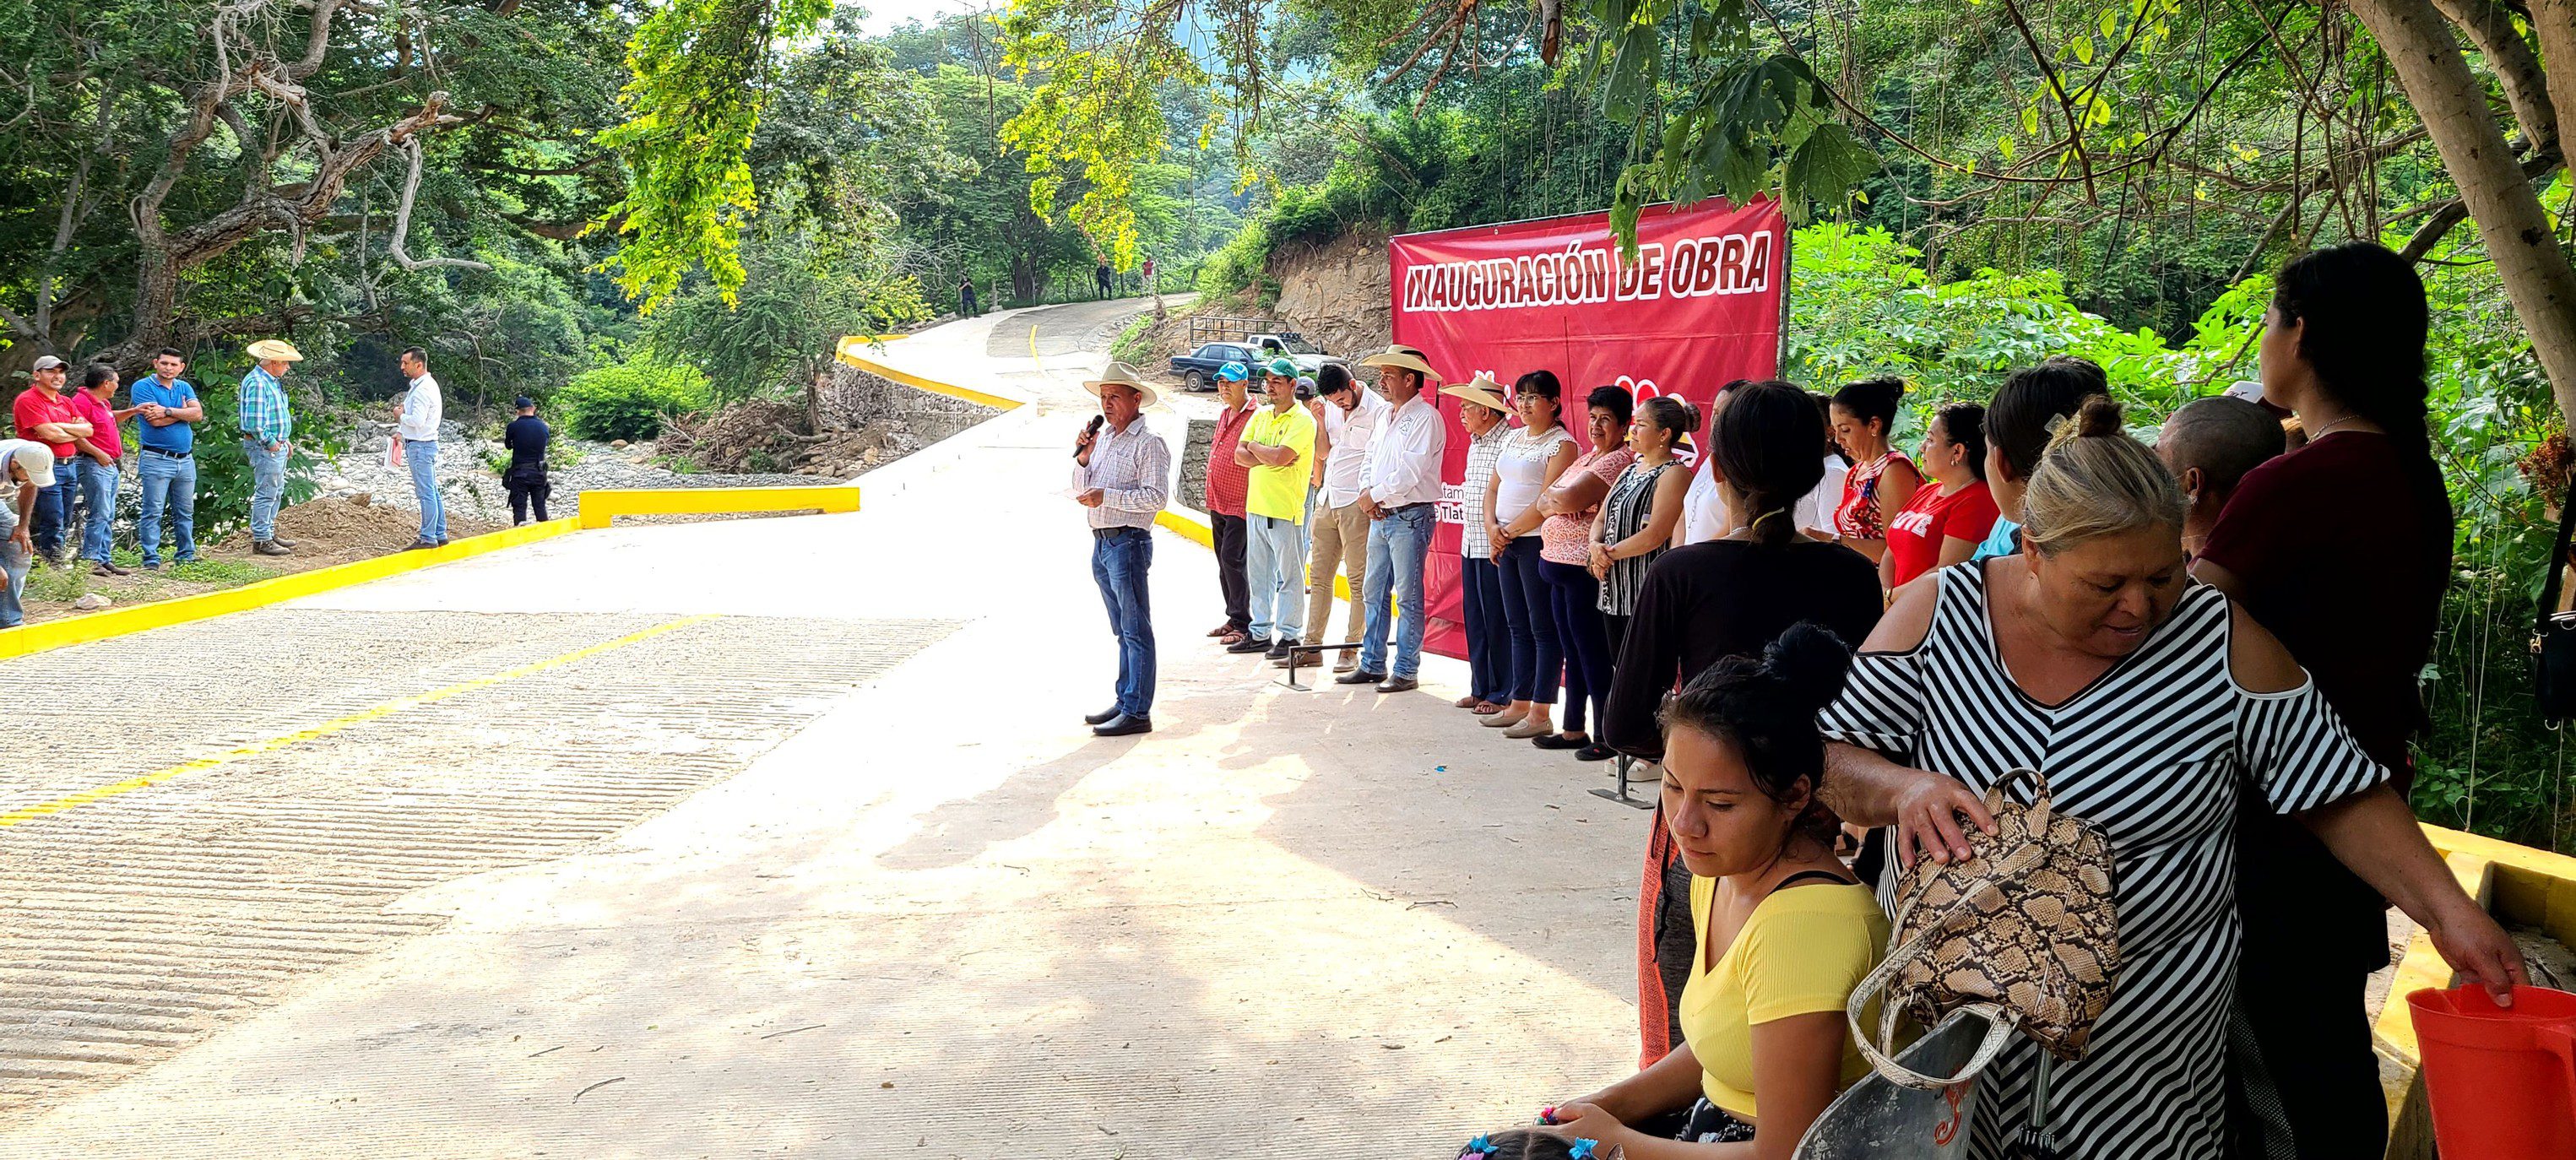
2500,199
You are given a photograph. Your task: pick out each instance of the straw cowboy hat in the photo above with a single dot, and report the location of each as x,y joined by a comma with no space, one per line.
277,349
1400,355
1482,390
1121,375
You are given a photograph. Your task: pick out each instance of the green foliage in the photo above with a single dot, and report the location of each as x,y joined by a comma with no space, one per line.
1861,305
693,106
630,400
1095,112
1130,346
1735,118
784,324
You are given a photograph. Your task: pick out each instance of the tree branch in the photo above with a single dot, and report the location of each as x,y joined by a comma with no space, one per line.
402,221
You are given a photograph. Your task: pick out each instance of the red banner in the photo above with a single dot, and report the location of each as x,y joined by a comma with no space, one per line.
1700,305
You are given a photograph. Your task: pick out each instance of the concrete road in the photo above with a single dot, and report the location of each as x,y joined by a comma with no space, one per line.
782,838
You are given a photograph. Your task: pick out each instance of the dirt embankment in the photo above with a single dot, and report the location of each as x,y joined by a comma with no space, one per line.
1337,292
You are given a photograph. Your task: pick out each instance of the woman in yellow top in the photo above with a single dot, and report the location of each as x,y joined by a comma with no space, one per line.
1784,931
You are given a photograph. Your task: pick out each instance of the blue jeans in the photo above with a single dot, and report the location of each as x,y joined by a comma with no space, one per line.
98,495
1537,657
1274,565
1489,637
422,456
1120,558
1396,547
1575,600
53,513
267,486
168,485
13,561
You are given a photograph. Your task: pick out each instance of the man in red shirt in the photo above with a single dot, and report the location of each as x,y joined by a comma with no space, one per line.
42,414
1226,483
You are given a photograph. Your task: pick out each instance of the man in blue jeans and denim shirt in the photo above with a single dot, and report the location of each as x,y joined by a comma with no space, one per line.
166,456
266,426
1123,479
1399,486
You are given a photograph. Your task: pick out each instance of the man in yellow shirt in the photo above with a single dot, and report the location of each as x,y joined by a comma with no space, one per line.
1279,446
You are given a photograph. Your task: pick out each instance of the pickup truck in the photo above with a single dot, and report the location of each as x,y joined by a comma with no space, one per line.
1308,357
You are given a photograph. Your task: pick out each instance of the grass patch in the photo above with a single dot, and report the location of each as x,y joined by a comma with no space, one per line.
1130,346
64,585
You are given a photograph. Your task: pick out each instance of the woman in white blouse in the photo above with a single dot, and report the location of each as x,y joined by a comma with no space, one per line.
1531,459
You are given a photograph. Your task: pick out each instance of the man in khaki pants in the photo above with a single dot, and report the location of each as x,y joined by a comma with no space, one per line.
1339,529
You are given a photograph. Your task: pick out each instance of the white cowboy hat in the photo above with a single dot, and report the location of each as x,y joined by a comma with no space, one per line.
277,349
1120,374
1482,391
1400,355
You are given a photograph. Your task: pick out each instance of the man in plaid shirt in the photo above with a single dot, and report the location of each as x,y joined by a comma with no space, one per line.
267,424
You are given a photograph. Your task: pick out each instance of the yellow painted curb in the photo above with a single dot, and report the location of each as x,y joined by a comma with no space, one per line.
851,351
53,634
598,505
1194,528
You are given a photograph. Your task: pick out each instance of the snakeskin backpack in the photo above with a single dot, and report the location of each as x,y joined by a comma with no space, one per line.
2022,933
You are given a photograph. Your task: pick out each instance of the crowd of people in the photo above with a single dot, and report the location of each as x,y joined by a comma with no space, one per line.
68,460
1829,648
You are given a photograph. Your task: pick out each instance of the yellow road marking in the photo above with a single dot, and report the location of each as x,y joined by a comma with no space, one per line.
336,724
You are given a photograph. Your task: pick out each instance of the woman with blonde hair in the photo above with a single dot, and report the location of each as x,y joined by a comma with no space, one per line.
2156,709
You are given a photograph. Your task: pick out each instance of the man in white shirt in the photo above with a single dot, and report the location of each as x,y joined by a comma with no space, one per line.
1399,486
1351,413
418,430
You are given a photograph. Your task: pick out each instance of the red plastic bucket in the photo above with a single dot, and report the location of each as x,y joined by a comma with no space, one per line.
2502,1079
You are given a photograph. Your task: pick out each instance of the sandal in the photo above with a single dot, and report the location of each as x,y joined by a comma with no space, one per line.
1468,702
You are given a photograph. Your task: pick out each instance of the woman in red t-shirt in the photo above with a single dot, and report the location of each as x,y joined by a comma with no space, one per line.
1943,524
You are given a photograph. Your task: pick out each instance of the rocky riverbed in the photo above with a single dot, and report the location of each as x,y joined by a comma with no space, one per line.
469,476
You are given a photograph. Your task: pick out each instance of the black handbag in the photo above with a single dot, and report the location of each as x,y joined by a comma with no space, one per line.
2553,642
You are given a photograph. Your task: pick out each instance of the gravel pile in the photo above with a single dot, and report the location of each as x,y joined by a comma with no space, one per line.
470,482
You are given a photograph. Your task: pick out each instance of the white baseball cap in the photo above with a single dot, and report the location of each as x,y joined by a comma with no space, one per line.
35,458
2250,390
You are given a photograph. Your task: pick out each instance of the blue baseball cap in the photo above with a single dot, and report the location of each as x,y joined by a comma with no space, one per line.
1233,372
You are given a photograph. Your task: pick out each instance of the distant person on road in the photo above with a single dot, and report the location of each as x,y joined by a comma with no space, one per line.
526,438
1123,476
1278,446
1400,484
166,457
26,469
1338,533
966,298
101,459
267,425
44,415
1227,478
417,427
1100,279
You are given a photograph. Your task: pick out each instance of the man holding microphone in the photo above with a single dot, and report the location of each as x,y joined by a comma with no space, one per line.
1122,477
